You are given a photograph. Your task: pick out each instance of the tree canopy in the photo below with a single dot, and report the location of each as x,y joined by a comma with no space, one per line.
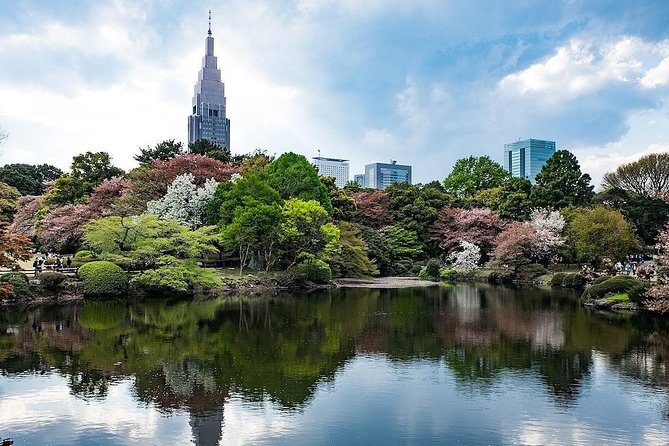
212,150
648,176
163,151
474,174
560,183
27,178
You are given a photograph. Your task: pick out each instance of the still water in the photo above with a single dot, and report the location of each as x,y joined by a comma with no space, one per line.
471,364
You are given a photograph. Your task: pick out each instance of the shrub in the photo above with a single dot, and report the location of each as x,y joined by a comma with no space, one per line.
7,291
530,271
432,268
448,275
558,279
601,279
656,298
501,276
19,284
50,261
103,278
316,271
51,280
416,269
617,284
179,276
574,280
84,255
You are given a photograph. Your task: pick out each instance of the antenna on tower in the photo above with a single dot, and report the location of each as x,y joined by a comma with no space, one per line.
209,32
319,153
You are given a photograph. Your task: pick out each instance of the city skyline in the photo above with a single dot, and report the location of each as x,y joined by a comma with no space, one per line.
384,80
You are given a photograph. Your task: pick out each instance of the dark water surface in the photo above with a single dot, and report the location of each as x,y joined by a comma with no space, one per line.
471,364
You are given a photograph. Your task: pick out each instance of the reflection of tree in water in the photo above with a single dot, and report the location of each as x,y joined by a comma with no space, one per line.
563,372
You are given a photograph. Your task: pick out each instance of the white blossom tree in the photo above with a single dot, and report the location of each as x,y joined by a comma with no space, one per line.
548,226
184,202
467,258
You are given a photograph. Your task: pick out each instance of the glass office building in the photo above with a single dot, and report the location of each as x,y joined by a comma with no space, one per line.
524,159
208,120
382,175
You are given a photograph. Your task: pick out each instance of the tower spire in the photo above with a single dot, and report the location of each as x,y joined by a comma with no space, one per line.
209,32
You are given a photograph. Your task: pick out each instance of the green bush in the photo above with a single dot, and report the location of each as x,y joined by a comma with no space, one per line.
574,280
530,271
50,261
51,280
179,276
614,285
19,283
416,269
316,271
601,279
558,279
103,278
432,268
84,255
501,276
448,274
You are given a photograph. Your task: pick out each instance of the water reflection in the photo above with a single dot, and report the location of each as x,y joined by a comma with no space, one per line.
288,355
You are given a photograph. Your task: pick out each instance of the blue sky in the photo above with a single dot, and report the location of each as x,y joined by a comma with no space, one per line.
424,83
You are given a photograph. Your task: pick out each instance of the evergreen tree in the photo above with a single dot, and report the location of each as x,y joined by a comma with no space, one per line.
561,183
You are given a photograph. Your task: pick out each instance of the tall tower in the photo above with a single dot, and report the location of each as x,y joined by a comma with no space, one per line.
208,120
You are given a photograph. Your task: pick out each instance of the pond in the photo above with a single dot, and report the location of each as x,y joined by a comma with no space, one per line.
469,364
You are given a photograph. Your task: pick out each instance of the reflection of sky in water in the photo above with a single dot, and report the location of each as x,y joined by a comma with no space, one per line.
371,400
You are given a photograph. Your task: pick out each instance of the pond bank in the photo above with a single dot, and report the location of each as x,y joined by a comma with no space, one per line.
384,282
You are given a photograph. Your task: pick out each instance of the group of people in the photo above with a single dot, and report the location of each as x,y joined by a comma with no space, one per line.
58,263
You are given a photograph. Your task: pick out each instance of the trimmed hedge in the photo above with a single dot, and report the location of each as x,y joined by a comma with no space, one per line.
530,271
574,280
19,283
448,275
103,278
51,280
558,279
601,279
618,284
502,276
316,271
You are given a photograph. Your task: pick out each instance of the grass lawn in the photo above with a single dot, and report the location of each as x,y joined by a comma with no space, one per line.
619,297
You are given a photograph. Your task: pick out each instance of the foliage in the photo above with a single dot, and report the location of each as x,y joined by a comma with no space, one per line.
19,283
613,285
378,250
103,278
416,207
294,177
92,168
352,259
8,200
432,269
648,176
163,151
67,190
27,178
448,274
305,228
530,271
560,183
472,175
253,162
647,215
209,149
598,233
7,291
51,280
403,244
84,255
230,195
373,208
13,248
656,299
343,205
26,216
480,226
467,258
314,270
117,235
557,279
573,280
183,201
177,275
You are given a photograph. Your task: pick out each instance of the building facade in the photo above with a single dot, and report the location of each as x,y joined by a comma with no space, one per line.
382,175
208,119
332,167
360,179
524,159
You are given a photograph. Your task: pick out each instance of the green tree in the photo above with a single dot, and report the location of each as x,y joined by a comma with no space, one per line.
92,168
648,176
255,161
306,228
416,207
8,197
212,150
598,233
230,195
163,151
118,235
560,183
351,259
343,205
294,177
474,174
67,190
27,178
403,244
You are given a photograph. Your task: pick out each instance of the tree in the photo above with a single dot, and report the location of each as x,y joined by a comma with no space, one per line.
230,195
416,207
12,247
118,235
480,226
474,174
467,258
27,178
647,215
294,177
93,168
560,183
184,201
255,161
67,190
372,208
343,205
403,244
209,149
163,151
352,259
8,199
26,216
305,229
648,176
597,233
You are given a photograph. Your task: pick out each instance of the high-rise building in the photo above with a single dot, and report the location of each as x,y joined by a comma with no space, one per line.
524,159
382,175
360,179
332,167
208,120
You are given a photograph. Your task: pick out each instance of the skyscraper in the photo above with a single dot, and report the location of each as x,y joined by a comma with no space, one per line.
382,175
524,159
208,120
332,167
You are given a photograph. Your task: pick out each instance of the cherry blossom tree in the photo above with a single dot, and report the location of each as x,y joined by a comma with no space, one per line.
480,226
467,259
184,201
372,209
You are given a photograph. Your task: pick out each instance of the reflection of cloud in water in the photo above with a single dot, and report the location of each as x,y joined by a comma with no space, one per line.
248,423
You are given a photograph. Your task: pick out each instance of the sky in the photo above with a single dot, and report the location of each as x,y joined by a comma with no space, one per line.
424,83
